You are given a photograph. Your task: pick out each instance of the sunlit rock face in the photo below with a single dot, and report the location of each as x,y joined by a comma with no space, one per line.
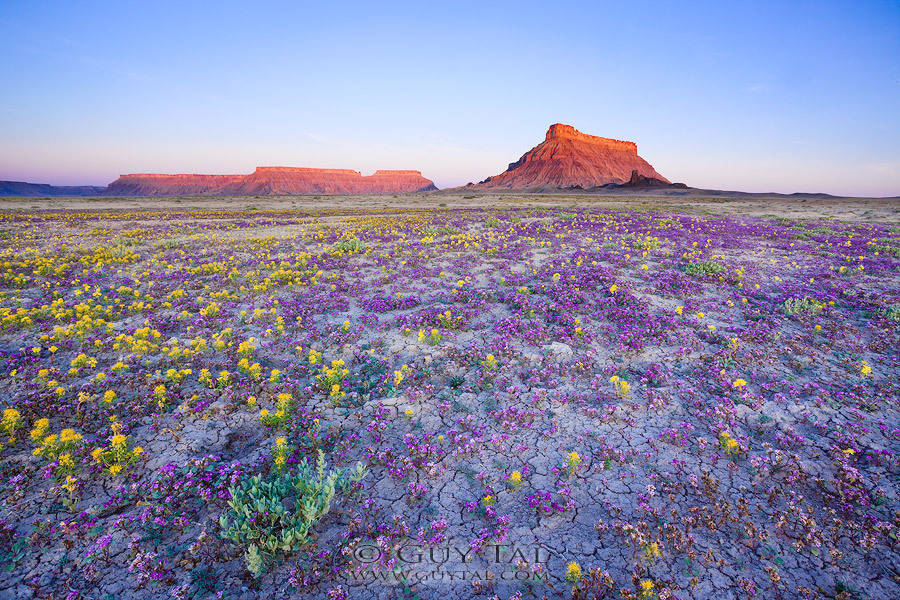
568,158
291,180
149,184
273,180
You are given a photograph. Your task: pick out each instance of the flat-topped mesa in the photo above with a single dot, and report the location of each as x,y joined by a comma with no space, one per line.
568,159
396,172
301,180
561,131
273,180
308,170
158,184
136,176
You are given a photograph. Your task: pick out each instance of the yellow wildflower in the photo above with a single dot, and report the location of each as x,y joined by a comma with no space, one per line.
573,572
573,459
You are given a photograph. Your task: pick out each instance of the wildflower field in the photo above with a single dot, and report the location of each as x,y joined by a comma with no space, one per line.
460,403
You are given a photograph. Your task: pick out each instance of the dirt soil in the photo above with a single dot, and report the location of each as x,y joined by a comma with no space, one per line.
552,396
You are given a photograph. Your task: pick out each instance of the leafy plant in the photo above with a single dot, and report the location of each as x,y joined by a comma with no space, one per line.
168,244
704,268
272,516
434,230
203,581
349,246
13,547
795,306
885,246
804,232
647,243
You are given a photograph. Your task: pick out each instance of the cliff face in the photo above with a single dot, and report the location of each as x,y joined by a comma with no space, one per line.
290,180
273,180
147,184
568,158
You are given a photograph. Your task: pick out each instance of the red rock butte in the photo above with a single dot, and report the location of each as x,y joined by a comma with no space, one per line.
274,181
568,158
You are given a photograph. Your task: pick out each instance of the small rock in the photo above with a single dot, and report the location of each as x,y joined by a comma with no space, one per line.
560,349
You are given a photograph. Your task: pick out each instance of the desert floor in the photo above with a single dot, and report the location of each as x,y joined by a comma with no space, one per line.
514,396
859,209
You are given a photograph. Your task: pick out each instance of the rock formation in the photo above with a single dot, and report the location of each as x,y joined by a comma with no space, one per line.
640,181
148,184
21,188
568,158
272,180
292,180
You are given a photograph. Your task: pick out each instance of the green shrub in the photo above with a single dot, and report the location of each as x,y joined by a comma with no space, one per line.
349,246
795,306
122,253
885,246
704,268
492,222
648,243
272,516
168,244
434,230
804,232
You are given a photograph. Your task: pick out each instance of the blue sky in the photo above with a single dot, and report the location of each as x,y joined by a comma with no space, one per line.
751,96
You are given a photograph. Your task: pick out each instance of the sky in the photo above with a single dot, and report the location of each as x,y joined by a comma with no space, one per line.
754,96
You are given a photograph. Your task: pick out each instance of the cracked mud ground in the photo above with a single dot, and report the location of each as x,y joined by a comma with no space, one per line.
550,401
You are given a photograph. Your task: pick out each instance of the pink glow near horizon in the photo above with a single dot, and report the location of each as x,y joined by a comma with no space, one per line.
725,96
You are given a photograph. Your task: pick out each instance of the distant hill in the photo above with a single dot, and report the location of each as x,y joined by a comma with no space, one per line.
20,188
263,181
272,181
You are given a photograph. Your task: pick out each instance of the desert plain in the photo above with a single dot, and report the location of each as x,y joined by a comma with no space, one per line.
450,395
